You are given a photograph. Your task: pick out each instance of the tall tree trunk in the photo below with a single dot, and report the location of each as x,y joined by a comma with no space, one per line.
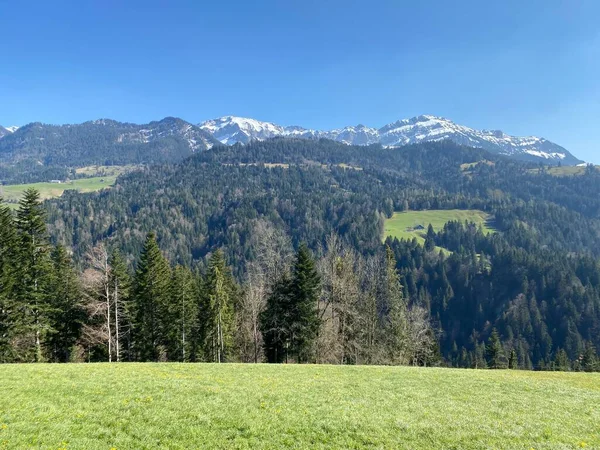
117,343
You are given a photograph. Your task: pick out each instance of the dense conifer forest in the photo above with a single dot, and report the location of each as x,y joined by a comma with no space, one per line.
274,251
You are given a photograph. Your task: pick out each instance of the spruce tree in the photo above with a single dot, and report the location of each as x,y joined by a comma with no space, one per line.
8,263
589,362
67,314
217,309
276,321
495,352
513,362
33,310
183,313
151,295
430,239
396,328
303,303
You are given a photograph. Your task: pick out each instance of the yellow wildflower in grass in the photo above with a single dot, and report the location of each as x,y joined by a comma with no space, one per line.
582,444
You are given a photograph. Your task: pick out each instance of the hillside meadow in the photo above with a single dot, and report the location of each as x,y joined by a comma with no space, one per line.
414,224
177,406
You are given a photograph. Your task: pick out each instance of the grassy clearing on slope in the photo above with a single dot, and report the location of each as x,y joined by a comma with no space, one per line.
563,171
177,406
13,193
405,225
100,171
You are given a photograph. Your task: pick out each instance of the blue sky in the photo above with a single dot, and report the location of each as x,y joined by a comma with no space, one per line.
526,67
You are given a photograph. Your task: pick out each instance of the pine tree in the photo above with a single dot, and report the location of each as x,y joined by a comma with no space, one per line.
67,314
151,296
217,309
399,345
183,314
561,361
276,321
8,240
513,362
589,362
304,296
32,312
495,352
430,239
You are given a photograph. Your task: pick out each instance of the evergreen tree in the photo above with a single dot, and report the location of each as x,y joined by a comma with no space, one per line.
217,309
151,296
32,312
303,303
495,352
561,361
430,239
589,362
513,362
183,314
399,343
276,321
67,314
8,241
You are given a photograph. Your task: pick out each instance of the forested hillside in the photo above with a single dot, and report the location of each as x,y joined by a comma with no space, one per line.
40,152
526,296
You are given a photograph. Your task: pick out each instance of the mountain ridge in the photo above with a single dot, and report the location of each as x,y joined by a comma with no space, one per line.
230,130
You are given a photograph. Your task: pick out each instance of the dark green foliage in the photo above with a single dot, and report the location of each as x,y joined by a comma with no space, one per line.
589,360
290,321
151,297
495,353
183,315
218,297
303,300
67,314
275,322
33,309
8,242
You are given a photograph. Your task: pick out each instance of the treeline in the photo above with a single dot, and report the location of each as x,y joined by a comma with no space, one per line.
405,304
340,309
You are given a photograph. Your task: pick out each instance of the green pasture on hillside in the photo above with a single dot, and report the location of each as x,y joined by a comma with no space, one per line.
407,225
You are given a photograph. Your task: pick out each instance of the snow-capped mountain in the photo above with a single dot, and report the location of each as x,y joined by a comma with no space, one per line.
5,131
196,138
231,130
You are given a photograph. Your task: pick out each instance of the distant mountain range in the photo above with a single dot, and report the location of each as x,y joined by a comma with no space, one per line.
103,141
231,130
107,141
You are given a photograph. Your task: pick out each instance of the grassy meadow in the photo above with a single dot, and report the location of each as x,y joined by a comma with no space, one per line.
97,178
402,224
12,193
177,406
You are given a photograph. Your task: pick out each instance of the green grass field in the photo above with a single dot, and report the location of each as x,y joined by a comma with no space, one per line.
177,406
402,225
563,171
12,193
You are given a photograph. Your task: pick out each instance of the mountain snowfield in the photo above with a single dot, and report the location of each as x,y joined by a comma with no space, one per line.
5,131
230,130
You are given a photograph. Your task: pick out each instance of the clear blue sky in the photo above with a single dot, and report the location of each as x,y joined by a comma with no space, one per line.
527,67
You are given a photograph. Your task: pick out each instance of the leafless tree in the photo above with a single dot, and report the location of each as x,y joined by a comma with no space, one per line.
97,289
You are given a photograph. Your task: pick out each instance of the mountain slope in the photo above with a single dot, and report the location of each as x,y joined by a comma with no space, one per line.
102,142
231,130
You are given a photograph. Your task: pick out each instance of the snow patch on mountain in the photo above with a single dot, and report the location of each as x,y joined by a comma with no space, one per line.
231,130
